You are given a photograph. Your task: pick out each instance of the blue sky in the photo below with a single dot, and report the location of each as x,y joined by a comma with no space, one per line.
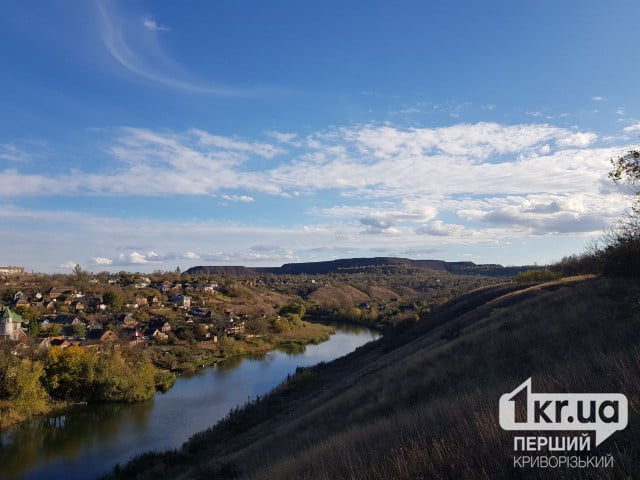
146,135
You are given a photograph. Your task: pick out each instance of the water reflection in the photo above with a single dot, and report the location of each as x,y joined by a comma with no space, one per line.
64,437
89,441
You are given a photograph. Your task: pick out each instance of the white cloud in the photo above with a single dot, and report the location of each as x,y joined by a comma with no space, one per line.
463,184
151,24
579,139
379,224
366,162
238,198
284,137
70,265
598,99
229,144
544,214
102,261
133,259
441,229
632,128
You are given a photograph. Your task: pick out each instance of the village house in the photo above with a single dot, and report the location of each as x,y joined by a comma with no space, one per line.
134,336
233,326
109,336
100,336
57,292
23,302
10,270
160,324
95,302
154,333
127,320
141,301
11,325
78,306
48,342
68,320
210,287
141,282
154,301
183,301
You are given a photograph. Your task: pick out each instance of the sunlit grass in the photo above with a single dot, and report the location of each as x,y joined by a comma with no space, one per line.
424,404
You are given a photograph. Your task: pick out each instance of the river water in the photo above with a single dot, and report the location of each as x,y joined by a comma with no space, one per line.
88,442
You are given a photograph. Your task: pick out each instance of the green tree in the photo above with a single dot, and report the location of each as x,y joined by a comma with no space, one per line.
78,331
114,300
297,308
69,372
123,378
21,392
53,330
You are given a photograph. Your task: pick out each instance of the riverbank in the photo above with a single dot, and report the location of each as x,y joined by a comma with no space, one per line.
187,358
87,442
31,401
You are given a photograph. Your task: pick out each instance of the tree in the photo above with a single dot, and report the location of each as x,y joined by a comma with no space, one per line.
80,278
626,168
78,331
21,390
70,372
621,255
113,300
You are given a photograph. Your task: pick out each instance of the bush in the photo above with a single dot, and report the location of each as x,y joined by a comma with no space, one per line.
622,258
280,325
542,275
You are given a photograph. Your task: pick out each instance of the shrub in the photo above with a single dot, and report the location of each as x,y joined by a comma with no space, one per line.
542,275
281,324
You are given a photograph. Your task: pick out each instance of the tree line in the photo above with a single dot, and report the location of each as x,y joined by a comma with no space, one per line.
35,384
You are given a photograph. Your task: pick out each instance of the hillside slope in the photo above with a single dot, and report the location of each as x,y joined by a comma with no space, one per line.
424,404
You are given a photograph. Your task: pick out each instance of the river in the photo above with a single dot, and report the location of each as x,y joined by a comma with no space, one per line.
89,441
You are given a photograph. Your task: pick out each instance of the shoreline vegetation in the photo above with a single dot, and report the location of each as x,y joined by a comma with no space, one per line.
37,383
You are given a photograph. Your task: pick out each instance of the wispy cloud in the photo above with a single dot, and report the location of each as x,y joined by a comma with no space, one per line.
134,45
12,153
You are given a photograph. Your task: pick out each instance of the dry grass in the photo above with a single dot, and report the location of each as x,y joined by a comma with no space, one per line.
424,404
342,295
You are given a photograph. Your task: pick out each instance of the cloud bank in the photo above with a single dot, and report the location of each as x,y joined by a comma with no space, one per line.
387,187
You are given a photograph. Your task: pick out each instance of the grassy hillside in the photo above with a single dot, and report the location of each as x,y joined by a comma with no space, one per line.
424,404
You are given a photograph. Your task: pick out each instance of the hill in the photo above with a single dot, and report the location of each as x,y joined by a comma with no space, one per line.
384,265
423,403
